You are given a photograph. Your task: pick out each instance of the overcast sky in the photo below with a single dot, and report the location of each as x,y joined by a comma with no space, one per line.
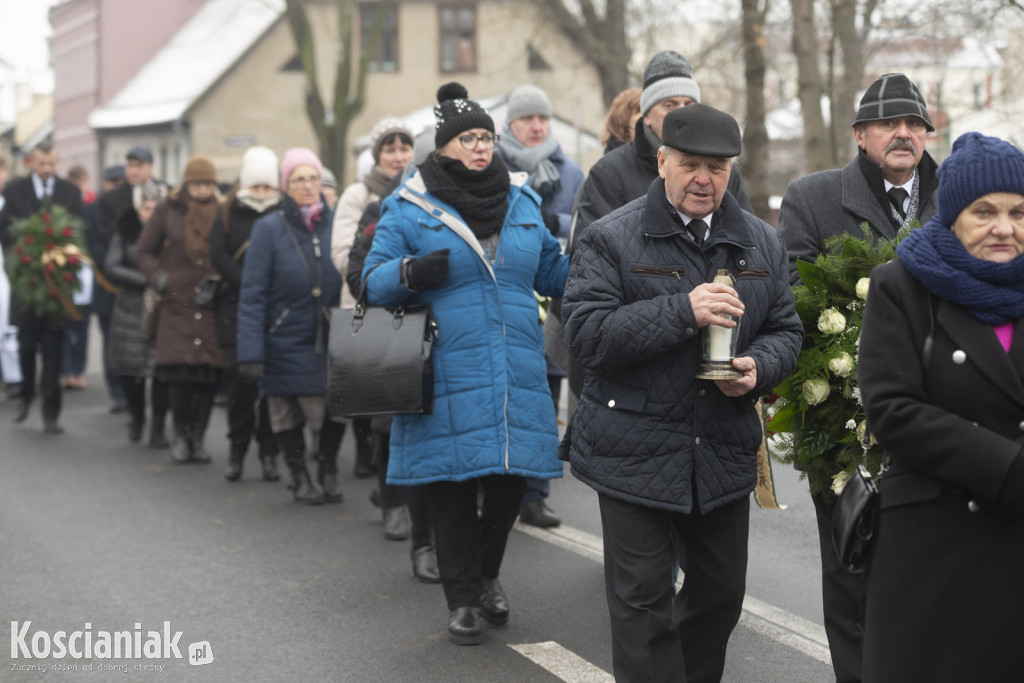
24,28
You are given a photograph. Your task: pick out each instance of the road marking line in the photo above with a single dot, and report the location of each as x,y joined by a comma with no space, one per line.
768,620
563,663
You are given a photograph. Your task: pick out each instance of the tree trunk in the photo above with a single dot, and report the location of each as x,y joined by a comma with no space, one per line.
805,46
755,134
851,42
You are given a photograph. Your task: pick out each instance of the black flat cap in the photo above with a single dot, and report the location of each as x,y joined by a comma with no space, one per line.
702,131
141,153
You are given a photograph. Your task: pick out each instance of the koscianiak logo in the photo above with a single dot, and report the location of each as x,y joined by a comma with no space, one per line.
85,643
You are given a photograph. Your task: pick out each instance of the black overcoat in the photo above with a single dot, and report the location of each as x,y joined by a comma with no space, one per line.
946,580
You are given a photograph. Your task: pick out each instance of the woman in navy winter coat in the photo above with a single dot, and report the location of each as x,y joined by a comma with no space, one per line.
467,237
288,283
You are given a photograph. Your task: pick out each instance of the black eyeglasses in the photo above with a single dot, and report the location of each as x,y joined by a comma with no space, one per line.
468,141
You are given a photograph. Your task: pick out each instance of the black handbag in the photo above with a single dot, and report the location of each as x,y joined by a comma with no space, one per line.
855,521
207,292
379,360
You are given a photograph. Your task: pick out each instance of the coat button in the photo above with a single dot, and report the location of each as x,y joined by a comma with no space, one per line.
959,357
743,262
611,403
972,506
701,392
689,330
697,440
1021,426
199,316
197,341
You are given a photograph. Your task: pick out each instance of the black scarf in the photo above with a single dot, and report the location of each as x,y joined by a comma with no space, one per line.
480,197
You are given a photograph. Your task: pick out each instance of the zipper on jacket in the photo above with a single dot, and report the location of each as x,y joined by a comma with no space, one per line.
752,272
504,335
669,271
280,319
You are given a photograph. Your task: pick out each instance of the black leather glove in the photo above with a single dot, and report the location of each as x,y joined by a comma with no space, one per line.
427,272
550,222
251,370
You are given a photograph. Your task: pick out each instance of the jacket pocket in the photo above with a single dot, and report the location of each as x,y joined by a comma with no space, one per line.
429,223
618,397
752,273
678,272
907,488
279,320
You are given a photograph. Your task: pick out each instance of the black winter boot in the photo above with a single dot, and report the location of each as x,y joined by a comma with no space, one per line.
424,556
233,472
268,460
181,450
202,406
327,460
293,445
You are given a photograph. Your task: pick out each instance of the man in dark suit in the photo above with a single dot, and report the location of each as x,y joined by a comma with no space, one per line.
24,197
891,183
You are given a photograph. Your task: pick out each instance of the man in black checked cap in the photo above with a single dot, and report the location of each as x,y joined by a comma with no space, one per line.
891,183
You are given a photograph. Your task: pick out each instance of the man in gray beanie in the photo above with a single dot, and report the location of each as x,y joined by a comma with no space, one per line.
626,172
527,144
671,455
890,183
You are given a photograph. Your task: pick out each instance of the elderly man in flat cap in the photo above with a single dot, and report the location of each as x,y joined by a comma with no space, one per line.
669,453
890,183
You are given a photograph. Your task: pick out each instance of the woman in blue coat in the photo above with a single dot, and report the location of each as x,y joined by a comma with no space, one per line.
467,237
288,283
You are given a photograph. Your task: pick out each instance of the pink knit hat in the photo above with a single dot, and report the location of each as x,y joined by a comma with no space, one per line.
298,156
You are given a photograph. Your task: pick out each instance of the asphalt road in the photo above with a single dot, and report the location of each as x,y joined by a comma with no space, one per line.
100,535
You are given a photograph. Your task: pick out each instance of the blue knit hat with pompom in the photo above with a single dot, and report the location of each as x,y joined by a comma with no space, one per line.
976,166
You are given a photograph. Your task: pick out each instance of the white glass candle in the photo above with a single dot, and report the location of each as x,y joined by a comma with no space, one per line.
720,343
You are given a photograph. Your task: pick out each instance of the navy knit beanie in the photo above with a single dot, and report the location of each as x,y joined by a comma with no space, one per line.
976,166
456,113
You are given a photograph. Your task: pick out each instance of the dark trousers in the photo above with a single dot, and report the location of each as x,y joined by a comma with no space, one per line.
470,547
842,596
40,334
656,635
134,389
114,387
247,413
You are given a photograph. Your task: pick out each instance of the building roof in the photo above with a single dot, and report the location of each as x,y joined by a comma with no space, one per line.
205,48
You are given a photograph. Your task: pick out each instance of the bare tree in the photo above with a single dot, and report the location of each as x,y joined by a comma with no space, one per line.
755,134
331,125
809,86
600,38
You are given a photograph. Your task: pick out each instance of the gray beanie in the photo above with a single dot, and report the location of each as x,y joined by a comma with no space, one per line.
328,179
527,100
892,96
668,74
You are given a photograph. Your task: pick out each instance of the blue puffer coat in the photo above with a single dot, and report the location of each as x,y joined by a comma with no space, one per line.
492,407
277,314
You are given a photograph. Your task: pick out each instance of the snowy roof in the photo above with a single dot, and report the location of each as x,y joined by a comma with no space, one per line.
193,60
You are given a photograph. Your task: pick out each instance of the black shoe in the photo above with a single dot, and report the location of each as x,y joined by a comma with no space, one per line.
181,449
269,463
536,513
23,409
465,627
396,523
119,405
233,471
375,498
424,564
327,477
134,431
157,438
51,427
494,603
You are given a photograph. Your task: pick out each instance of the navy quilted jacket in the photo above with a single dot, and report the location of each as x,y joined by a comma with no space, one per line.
646,430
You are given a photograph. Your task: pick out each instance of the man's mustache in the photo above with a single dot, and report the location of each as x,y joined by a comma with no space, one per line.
901,145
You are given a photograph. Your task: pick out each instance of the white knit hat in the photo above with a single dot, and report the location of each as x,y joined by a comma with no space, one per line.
259,167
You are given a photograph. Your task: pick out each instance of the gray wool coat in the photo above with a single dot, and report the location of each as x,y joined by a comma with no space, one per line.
826,204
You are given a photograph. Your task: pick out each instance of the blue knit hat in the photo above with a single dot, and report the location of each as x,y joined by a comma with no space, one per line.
976,166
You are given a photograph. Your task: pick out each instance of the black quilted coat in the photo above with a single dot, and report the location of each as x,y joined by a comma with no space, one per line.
646,430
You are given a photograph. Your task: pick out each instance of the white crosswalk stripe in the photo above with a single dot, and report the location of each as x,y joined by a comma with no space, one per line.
563,663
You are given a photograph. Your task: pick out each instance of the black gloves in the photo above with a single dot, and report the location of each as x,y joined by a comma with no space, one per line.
550,222
251,370
427,272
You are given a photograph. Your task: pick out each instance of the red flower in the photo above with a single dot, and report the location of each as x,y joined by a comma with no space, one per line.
50,267
50,245
48,230
25,260
46,218
68,277
72,260
27,239
67,232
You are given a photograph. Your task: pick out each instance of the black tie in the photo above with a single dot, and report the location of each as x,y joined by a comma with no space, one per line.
698,228
897,195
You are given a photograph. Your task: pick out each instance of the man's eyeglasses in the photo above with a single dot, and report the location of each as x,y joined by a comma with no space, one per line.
304,181
468,141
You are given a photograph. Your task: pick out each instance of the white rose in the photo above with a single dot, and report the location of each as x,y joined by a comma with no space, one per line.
841,365
831,321
815,391
862,288
839,482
